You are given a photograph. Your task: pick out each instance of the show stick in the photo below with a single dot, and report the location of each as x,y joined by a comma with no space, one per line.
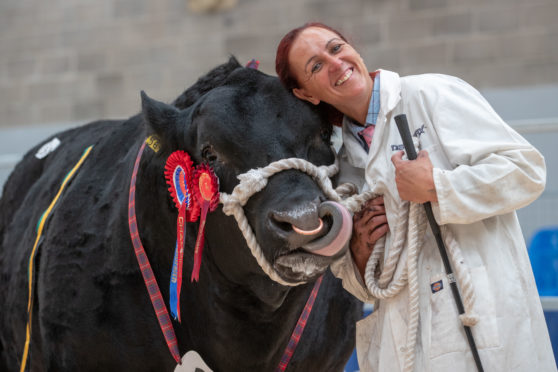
403,127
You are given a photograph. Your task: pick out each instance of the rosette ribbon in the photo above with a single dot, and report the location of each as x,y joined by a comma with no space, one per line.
178,173
206,193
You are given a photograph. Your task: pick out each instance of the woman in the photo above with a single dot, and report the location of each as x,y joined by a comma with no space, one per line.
473,168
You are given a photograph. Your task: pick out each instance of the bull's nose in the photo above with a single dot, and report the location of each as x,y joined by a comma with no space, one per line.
298,225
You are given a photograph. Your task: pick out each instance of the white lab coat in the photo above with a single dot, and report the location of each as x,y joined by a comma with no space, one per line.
483,172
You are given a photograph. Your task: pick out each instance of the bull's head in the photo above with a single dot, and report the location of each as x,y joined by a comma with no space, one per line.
236,119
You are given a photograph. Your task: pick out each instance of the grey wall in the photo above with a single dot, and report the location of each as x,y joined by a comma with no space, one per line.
73,60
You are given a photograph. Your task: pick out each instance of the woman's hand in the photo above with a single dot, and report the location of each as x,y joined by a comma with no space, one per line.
369,225
414,178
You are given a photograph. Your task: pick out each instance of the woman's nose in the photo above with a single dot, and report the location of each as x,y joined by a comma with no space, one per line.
334,63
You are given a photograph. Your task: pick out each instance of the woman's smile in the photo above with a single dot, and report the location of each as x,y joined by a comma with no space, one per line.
345,77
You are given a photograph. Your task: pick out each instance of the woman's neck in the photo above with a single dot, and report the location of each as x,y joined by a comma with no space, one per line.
357,109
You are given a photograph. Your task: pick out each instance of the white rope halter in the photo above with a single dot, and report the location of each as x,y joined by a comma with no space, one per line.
410,226
255,180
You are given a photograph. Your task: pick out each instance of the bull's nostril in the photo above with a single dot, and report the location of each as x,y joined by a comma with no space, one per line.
281,226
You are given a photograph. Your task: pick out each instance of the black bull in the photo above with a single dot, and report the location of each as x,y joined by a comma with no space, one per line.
91,310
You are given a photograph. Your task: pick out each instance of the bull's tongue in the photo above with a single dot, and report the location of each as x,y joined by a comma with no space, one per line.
339,234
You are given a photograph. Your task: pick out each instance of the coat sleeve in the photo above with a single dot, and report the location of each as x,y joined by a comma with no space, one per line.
346,270
490,169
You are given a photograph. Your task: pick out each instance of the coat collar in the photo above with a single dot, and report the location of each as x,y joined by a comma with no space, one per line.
390,96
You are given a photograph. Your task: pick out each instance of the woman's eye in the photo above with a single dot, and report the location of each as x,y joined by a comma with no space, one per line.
336,48
316,67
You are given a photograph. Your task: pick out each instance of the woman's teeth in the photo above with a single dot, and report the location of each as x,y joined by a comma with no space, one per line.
344,77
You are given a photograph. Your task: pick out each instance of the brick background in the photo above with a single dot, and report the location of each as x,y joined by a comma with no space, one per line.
76,60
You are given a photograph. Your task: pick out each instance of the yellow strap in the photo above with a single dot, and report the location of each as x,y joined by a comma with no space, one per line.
33,251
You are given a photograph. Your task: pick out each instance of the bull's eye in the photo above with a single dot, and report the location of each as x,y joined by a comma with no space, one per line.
325,133
208,154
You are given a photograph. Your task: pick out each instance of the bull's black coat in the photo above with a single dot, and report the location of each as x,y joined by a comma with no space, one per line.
91,309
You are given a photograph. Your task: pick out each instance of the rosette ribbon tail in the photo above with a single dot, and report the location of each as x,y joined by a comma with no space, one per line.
198,251
178,263
206,192
173,290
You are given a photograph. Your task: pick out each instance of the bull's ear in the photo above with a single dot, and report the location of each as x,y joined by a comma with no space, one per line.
158,114
162,118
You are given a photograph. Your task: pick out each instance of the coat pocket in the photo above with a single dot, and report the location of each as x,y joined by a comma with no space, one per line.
446,330
368,342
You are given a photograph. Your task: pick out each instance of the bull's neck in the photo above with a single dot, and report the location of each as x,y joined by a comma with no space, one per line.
222,305
266,324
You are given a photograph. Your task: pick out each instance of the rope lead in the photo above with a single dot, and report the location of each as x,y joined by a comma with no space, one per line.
410,226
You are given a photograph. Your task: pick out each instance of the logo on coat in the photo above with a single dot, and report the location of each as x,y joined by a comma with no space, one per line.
437,286
417,134
419,131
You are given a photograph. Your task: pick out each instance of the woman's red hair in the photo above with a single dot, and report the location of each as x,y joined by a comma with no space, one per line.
286,76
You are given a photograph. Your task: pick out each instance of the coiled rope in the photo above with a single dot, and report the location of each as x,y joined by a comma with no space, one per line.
410,226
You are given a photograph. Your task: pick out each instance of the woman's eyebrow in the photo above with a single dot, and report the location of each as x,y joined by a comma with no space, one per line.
330,41
326,47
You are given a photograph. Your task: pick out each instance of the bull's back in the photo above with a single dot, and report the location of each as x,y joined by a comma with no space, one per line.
41,169
28,192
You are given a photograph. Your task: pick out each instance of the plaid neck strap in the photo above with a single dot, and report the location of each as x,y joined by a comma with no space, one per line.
146,271
299,328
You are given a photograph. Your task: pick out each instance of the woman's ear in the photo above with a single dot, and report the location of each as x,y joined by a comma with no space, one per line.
303,95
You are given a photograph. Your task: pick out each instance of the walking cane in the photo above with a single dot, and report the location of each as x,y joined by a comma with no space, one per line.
403,127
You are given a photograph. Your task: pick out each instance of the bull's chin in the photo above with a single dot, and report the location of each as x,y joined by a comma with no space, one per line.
300,266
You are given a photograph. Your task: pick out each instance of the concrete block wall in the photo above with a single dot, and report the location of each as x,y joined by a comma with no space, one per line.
76,60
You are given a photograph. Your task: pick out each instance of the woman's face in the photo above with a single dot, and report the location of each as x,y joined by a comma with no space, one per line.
328,69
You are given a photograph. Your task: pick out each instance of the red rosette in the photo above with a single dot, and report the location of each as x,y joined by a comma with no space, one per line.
206,192
178,174
179,170
206,186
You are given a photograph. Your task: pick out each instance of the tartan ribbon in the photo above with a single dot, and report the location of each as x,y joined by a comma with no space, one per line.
299,328
146,271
